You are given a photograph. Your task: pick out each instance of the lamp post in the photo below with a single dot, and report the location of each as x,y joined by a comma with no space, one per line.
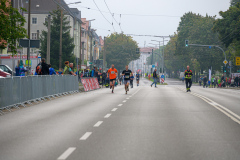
162,53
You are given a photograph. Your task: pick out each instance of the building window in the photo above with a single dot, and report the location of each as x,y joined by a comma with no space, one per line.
34,35
34,20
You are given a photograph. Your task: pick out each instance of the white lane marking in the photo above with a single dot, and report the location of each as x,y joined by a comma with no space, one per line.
98,124
221,108
114,109
130,96
85,136
124,101
127,98
120,105
66,153
107,116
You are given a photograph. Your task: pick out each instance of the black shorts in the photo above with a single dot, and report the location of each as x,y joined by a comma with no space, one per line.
111,80
137,79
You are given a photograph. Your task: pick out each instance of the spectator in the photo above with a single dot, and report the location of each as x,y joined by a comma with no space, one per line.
60,72
92,72
51,70
20,70
236,81
205,82
44,68
209,83
38,68
200,81
67,69
229,82
213,82
96,74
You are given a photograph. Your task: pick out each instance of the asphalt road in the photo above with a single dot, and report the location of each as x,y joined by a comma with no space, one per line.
163,123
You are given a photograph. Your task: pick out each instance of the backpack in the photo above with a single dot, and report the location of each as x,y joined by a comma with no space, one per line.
39,69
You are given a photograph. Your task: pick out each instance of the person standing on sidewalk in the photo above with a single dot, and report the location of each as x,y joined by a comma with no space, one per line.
188,78
154,78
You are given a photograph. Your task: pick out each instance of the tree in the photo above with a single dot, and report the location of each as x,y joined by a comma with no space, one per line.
228,27
11,28
67,41
120,50
234,2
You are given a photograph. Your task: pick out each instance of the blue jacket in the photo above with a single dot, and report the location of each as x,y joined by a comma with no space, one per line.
52,71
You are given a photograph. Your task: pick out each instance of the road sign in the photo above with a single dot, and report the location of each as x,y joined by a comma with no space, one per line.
34,43
225,62
162,80
153,66
39,56
162,76
237,61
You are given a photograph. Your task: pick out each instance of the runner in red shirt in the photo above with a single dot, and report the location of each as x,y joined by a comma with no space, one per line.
112,74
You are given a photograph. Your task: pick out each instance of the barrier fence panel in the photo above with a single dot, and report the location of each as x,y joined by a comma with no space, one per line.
18,90
90,83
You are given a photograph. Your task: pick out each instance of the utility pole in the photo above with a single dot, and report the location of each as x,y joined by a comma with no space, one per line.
163,57
48,39
82,52
29,33
80,55
91,46
60,49
104,55
152,61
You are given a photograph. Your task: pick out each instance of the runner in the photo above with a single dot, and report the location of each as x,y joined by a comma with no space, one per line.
131,80
126,73
138,78
112,74
188,79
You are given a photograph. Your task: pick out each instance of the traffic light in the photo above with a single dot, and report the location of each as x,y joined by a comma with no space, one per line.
224,69
186,43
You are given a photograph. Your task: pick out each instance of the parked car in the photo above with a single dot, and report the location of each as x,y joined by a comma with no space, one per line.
7,69
4,74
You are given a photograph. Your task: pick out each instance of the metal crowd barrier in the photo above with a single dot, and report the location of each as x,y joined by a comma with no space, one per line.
17,91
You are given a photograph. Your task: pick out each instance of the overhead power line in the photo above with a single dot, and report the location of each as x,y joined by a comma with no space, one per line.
113,15
103,15
129,14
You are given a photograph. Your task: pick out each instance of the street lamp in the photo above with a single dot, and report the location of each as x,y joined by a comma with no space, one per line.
74,3
162,53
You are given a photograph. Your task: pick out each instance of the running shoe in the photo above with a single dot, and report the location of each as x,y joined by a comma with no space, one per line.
112,91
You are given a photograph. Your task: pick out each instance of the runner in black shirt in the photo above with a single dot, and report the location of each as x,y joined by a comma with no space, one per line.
126,73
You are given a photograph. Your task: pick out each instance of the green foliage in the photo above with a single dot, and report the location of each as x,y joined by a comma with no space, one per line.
11,28
198,30
234,2
120,50
228,27
67,41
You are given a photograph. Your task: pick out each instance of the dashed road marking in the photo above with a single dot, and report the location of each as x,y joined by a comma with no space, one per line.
85,136
124,101
120,105
114,109
127,98
107,116
67,153
98,124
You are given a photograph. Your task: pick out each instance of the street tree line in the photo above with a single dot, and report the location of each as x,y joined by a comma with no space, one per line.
204,30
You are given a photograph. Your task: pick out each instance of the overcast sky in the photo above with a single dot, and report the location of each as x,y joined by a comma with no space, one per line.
165,23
